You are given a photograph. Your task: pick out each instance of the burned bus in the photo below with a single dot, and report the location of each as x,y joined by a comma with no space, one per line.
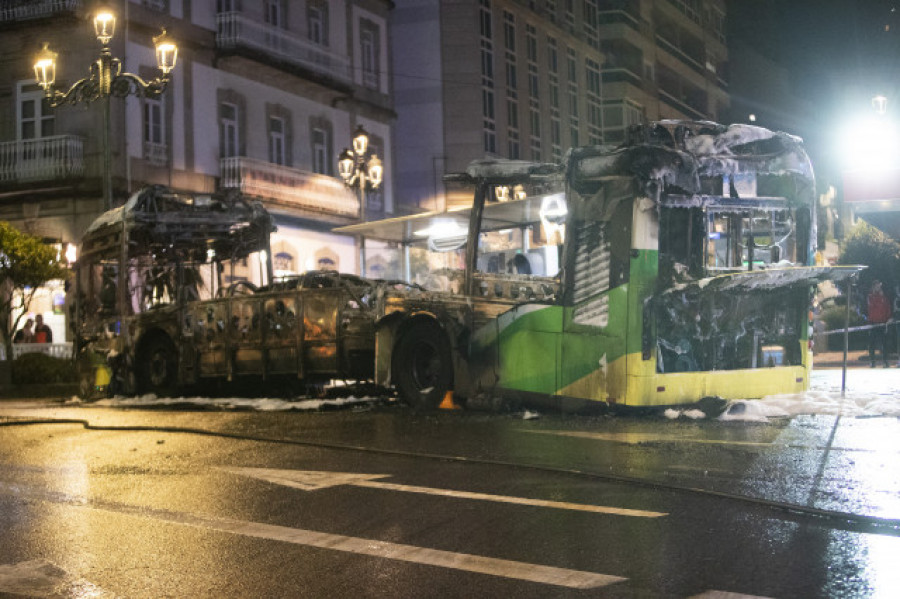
161,307
675,267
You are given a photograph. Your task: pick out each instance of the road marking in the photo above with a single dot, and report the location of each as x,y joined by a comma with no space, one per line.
311,480
638,438
551,575
576,579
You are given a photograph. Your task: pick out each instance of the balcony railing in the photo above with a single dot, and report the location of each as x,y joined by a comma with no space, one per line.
679,53
682,106
56,350
289,186
619,75
156,154
235,30
44,159
613,17
23,10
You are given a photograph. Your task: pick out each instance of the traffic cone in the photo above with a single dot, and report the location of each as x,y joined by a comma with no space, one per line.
448,403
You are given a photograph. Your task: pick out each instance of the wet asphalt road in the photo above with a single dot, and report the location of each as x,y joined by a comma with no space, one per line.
470,505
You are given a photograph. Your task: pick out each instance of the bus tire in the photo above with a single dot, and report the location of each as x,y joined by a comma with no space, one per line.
157,367
423,366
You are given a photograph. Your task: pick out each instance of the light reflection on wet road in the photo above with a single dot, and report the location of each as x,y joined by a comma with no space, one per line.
55,478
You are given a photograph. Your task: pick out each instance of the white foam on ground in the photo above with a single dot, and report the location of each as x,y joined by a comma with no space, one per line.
261,404
869,392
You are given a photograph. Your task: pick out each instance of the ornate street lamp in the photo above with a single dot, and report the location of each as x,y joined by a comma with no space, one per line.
361,175
106,79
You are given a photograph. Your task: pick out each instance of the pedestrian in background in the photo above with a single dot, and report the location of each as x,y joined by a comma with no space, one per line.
897,319
879,313
42,331
25,334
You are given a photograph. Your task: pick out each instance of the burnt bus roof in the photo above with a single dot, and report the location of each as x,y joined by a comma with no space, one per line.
678,156
670,156
166,224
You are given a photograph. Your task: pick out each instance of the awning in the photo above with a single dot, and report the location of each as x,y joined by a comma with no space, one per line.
412,229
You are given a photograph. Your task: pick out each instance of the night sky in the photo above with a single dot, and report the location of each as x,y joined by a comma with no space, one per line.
840,54
833,46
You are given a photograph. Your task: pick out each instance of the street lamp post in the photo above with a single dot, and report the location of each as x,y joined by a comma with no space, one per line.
360,174
106,80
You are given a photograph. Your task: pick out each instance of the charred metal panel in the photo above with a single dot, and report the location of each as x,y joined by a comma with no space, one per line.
282,334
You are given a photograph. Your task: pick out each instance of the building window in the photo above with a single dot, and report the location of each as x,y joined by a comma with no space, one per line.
369,51
570,16
273,13
36,118
489,123
512,134
512,79
550,9
321,149
228,6
230,130
535,117
533,87
572,65
572,68
277,130
590,23
717,23
509,31
552,55
531,43
512,144
556,138
155,148
618,117
509,42
317,22
595,116
533,79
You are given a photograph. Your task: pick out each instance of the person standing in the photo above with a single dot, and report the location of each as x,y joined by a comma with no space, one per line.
897,319
879,313
25,334
42,331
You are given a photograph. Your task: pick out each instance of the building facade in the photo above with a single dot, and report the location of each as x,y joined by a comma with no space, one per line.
264,96
528,79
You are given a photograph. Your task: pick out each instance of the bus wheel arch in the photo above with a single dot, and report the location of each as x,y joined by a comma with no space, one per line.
422,362
156,364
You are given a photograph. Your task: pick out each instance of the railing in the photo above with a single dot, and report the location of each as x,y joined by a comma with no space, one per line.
160,5
677,104
156,154
235,30
619,75
23,10
302,189
613,17
43,159
56,350
679,53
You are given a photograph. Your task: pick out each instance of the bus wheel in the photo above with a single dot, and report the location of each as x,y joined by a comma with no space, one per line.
423,366
158,367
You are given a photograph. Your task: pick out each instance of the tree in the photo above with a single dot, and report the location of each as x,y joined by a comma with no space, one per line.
26,263
869,246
